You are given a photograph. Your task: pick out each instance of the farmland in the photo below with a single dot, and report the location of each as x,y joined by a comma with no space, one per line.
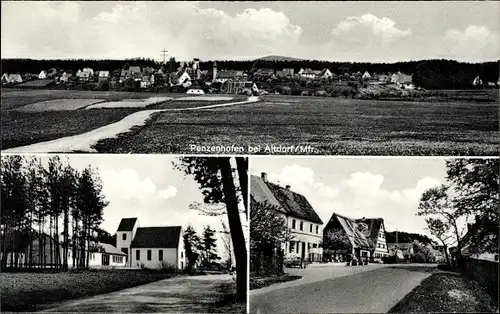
32,116
331,125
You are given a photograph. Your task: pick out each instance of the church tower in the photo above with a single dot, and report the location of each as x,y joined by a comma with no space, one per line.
214,71
125,235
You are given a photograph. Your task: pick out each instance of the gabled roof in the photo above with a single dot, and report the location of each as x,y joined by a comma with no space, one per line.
324,71
356,237
108,248
293,204
135,69
261,193
157,237
373,228
127,224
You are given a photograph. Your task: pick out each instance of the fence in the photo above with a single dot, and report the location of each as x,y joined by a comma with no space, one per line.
483,271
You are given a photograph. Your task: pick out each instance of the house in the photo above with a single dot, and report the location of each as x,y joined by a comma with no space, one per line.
374,231
307,73
265,72
150,247
475,234
184,79
135,73
195,89
288,71
103,75
85,75
65,77
238,87
103,255
225,75
5,78
401,250
42,75
360,246
15,78
401,78
477,81
304,224
366,76
325,74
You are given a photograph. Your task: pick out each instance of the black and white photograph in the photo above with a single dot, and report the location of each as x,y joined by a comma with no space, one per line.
373,235
385,78
124,233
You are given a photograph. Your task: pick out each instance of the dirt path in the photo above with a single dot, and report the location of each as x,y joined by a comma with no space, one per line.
85,142
183,294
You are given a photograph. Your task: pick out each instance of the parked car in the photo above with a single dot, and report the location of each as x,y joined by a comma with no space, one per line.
296,262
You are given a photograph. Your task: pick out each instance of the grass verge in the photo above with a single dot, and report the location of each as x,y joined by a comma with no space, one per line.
31,291
261,282
228,303
447,292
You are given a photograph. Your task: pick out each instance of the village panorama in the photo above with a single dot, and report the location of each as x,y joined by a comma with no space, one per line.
123,233
347,79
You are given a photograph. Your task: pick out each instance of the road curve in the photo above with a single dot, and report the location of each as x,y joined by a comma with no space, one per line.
85,142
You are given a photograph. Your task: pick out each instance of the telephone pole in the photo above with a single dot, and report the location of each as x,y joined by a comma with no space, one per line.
164,54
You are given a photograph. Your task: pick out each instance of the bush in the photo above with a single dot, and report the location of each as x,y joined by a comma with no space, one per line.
166,267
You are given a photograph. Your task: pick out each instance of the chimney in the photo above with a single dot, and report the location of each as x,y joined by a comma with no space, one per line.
363,218
288,187
196,64
263,175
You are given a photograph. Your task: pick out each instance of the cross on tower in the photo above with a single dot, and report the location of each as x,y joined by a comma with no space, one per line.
164,54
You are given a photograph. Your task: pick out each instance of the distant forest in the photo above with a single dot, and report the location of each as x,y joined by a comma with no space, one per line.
430,74
405,237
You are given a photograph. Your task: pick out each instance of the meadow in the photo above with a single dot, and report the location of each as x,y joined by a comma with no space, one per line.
333,126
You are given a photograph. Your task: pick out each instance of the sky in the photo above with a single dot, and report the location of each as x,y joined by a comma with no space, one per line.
364,31
387,188
146,187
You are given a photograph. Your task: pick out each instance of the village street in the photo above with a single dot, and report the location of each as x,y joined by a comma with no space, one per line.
372,288
180,294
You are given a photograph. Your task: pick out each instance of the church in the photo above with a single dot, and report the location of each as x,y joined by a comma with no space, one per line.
150,247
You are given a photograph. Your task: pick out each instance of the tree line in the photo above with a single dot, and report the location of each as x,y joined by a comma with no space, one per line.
429,74
38,200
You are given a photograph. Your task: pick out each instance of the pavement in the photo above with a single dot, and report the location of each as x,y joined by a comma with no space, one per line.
195,294
333,289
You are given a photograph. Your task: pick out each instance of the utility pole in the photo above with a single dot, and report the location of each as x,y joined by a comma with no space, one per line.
164,54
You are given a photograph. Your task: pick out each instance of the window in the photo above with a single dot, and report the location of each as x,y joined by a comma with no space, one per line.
160,255
293,223
182,254
291,247
301,225
137,254
311,228
315,245
149,255
124,236
182,265
317,229
125,250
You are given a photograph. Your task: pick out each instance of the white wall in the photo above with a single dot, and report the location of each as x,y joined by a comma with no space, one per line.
120,243
169,256
305,235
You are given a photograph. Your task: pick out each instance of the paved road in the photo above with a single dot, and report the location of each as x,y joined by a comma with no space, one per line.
183,294
374,289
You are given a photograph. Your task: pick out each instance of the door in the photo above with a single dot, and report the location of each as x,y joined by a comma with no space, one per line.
105,260
303,253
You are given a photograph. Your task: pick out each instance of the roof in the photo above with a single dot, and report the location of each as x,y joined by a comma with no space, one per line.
261,193
135,69
349,225
127,224
157,237
323,72
227,74
373,228
291,203
308,71
108,248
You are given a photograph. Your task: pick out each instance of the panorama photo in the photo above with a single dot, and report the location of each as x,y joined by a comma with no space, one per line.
330,78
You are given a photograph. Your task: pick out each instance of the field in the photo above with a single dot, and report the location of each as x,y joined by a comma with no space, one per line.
130,103
23,128
31,291
331,126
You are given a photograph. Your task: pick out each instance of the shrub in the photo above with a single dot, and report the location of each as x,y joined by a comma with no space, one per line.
167,267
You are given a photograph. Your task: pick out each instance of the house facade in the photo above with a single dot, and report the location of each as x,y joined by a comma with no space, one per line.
150,247
42,75
401,78
367,236
304,224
